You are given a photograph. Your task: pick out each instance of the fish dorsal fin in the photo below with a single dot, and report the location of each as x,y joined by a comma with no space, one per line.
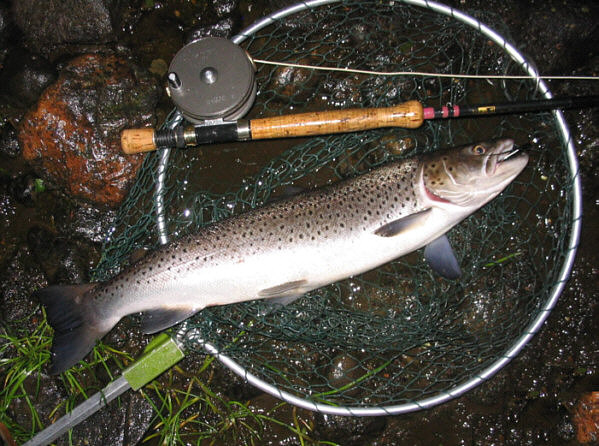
287,289
403,224
441,258
153,321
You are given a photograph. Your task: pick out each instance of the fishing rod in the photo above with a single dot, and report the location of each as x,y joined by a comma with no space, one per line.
410,114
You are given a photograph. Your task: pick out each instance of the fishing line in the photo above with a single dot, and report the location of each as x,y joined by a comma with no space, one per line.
422,73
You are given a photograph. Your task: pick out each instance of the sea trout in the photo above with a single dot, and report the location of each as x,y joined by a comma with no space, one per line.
291,246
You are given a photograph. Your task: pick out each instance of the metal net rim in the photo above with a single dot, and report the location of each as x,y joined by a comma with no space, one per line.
531,329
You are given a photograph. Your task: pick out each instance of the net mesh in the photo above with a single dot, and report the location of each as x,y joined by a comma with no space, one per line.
397,334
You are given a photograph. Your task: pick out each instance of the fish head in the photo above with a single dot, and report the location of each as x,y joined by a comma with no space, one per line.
472,175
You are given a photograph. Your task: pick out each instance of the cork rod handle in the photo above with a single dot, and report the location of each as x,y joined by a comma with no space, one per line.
408,115
137,141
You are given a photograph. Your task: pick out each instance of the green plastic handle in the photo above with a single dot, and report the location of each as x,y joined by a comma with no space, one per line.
162,353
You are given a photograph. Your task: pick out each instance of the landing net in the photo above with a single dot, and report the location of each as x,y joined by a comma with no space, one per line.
398,338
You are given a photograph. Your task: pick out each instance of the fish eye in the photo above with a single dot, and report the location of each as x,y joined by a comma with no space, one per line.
478,150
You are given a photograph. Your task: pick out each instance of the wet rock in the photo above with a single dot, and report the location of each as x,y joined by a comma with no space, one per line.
121,423
353,430
219,21
6,26
224,8
295,85
9,145
4,21
18,280
151,40
586,418
222,28
344,370
565,429
8,210
63,22
25,188
62,260
72,136
44,392
24,77
90,223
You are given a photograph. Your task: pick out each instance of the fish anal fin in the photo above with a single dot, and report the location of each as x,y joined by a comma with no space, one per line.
157,320
441,258
396,227
283,301
285,290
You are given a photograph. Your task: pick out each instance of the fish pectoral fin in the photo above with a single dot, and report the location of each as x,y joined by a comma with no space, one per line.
441,258
403,224
153,321
284,291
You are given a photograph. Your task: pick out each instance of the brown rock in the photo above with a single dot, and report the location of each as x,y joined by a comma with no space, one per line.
586,418
72,136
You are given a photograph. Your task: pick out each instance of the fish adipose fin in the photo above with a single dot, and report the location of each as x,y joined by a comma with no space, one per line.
403,224
75,332
157,320
441,258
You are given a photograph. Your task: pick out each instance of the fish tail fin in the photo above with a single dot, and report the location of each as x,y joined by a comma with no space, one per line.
68,312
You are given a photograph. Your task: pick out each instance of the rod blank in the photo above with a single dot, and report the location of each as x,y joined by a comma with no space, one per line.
410,114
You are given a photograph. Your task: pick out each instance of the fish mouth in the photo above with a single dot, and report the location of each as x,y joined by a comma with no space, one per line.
505,159
509,161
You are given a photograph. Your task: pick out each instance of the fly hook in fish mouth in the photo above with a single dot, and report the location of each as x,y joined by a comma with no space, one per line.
514,150
514,154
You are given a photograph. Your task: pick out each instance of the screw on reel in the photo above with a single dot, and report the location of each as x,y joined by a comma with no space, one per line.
212,79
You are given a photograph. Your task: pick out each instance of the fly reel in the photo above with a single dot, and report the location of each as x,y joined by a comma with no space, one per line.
212,79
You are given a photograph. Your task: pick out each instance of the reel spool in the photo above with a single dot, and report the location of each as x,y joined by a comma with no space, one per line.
212,79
